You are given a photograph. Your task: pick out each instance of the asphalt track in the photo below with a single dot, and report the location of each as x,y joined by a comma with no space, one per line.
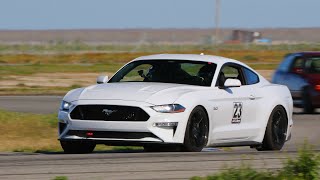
138,164
32,104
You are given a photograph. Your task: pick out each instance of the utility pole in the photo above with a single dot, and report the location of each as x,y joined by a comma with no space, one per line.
217,19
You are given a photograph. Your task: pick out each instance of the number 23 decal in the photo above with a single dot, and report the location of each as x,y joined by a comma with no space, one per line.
237,112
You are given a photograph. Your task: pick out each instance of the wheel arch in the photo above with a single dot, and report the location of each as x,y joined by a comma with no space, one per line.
267,116
208,119
195,99
196,109
280,97
205,110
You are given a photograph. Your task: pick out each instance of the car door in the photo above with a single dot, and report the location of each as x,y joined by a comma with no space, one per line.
234,108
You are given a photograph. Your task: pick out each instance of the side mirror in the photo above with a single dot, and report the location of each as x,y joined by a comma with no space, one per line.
102,79
232,83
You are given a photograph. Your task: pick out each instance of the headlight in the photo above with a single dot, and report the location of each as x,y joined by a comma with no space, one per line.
65,106
169,108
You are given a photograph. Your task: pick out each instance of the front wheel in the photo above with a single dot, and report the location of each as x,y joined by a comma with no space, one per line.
276,131
77,147
196,136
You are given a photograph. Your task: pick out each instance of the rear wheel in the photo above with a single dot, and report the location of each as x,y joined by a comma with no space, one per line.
196,136
307,103
276,131
77,147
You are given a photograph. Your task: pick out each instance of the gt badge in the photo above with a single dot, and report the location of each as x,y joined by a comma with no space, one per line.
237,112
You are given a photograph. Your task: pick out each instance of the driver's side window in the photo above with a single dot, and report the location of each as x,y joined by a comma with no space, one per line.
229,72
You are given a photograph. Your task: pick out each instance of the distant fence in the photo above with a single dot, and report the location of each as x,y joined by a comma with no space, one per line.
153,36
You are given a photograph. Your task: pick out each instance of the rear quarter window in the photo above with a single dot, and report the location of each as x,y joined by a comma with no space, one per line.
251,77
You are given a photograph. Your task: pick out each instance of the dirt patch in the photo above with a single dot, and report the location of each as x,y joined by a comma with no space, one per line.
67,79
50,80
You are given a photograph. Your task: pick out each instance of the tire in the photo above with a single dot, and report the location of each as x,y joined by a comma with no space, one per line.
77,147
307,103
196,135
275,134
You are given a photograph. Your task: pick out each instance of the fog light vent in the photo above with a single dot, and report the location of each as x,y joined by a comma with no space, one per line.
62,127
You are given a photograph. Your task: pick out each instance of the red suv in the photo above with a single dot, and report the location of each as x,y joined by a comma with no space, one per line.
301,73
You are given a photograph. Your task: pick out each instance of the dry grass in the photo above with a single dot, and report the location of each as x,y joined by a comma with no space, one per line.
28,132
58,73
35,90
58,83
270,56
72,58
27,64
43,73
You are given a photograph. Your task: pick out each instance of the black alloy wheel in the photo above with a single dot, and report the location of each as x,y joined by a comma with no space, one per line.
276,131
279,128
197,131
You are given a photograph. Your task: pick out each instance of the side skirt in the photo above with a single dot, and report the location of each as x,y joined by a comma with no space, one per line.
244,143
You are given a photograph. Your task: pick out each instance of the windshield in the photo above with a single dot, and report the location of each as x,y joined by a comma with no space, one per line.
167,71
313,65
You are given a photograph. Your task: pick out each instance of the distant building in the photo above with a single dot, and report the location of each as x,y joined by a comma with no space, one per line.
244,36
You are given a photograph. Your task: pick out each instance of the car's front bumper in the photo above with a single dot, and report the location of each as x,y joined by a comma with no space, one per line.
124,132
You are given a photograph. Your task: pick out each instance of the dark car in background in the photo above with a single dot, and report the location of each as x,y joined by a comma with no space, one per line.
300,71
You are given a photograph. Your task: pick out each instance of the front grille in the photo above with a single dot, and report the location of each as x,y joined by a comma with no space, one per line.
108,113
111,134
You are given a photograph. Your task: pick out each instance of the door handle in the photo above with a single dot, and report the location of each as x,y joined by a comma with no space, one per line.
252,97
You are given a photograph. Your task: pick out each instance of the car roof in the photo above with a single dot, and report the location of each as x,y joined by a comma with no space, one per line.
307,53
194,57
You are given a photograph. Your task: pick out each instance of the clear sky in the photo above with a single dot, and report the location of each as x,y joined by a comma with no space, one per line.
86,14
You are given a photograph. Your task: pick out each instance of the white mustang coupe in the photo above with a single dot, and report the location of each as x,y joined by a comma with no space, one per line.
180,101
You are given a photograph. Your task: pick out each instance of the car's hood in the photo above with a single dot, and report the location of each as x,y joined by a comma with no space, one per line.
154,93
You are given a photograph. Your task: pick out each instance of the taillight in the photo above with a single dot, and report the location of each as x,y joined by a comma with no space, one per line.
317,87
